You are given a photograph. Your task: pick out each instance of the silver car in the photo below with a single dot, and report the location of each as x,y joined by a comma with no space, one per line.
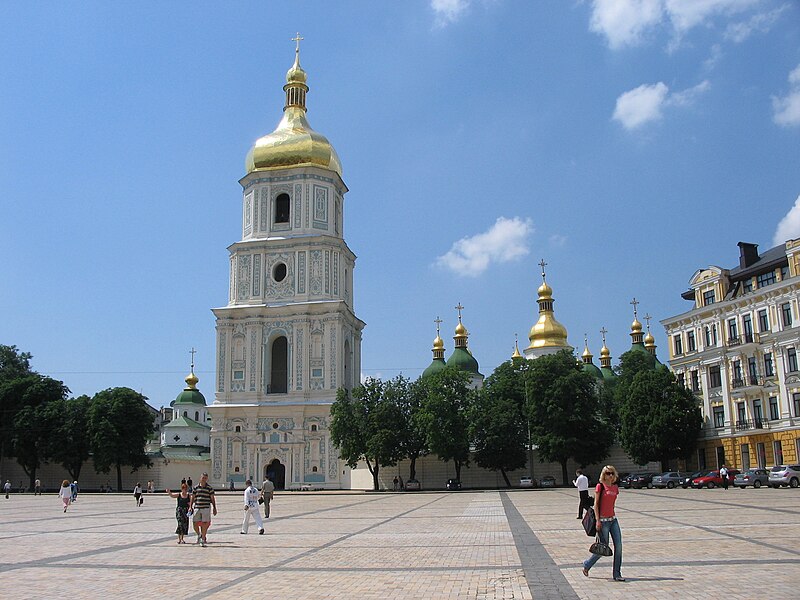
668,479
754,477
784,475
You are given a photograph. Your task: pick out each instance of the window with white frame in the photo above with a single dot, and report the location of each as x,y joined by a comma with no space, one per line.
774,413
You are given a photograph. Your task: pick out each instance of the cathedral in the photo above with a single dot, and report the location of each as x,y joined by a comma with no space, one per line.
289,336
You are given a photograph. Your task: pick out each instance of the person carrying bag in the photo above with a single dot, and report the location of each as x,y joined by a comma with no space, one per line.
605,498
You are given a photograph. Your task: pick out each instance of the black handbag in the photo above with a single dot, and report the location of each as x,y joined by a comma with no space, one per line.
261,500
589,519
600,548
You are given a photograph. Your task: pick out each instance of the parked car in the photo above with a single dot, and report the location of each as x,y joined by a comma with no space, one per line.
687,480
548,481
453,484
784,475
754,477
712,479
625,480
668,479
641,480
412,485
527,482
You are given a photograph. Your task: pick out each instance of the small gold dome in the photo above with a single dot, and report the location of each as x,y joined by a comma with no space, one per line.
636,326
296,74
516,351
461,331
605,352
545,291
191,381
649,339
548,333
438,343
586,353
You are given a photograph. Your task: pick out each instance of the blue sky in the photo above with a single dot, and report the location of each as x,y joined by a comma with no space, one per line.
627,143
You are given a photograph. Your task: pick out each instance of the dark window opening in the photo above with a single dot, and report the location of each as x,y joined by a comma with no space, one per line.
279,272
279,374
282,208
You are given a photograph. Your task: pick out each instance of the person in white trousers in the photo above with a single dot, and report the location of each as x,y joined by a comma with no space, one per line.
251,508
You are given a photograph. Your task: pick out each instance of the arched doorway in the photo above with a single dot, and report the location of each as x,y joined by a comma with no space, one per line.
276,472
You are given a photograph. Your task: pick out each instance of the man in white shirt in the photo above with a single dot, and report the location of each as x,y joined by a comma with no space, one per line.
582,483
251,508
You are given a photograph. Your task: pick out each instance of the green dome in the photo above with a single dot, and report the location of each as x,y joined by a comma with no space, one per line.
189,396
608,374
593,370
436,365
463,360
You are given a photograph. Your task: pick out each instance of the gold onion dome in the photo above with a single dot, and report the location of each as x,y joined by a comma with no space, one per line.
191,381
438,343
649,340
605,352
293,143
547,332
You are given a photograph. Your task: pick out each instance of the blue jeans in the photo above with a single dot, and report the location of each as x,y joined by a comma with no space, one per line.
616,536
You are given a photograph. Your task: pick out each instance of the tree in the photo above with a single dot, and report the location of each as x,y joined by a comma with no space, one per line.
444,416
565,411
120,423
660,419
499,433
70,442
30,431
14,366
365,426
412,438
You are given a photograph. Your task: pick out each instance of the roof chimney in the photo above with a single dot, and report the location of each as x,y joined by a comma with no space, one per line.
748,254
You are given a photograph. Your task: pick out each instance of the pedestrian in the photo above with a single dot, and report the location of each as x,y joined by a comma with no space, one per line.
267,494
37,487
402,485
582,483
395,483
65,493
7,488
181,512
189,483
75,491
251,496
150,486
723,473
605,498
183,481
137,494
202,506
232,488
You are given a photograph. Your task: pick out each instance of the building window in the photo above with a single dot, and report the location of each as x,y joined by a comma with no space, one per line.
313,469
695,381
747,285
786,314
719,416
282,208
238,375
752,371
690,343
196,416
796,404
763,321
279,272
682,379
714,337
765,279
714,376
741,412
701,458
708,297
745,456
279,371
774,413
733,330
791,360
747,329
758,414
313,428
784,277
769,369
777,450
238,429
678,343
737,374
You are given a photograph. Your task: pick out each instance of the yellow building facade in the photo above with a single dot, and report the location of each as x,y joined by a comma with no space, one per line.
736,349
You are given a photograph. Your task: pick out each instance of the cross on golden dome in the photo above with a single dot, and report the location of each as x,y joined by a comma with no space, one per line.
635,303
438,322
297,39
459,308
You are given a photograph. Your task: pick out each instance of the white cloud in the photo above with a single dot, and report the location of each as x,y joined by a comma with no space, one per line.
640,105
646,103
504,241
758,23
557,240
786,110
624,22
448,11
789,227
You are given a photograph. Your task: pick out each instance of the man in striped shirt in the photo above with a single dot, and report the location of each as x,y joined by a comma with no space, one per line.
204,505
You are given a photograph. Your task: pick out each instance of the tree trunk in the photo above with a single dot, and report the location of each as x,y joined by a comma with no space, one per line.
457,463
564,475
375,483
119,477
75,471
505,476
413,468
31,476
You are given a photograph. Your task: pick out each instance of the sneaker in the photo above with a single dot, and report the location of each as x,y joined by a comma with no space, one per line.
243,532
260,532
203,542
619,579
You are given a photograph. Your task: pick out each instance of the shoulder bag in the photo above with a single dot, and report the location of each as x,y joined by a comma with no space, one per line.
590,519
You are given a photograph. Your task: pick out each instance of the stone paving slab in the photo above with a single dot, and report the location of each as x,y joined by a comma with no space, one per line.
434,545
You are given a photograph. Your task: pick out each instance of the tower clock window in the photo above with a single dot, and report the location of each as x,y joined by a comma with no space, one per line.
282,208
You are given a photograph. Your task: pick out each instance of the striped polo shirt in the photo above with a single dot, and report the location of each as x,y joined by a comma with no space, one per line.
202,496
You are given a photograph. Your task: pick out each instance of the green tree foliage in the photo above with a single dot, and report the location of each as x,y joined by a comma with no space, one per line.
364,425
14,366
566,413
660,419
120,423
70,440
31,433
444,416
408,397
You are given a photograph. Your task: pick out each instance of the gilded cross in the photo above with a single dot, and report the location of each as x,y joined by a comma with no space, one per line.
603,332
297,39
459,308
543,265
647,318
438,322
192,352
635,303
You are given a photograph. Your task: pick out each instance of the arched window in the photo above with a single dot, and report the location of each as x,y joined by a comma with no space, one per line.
348,360
313,428
282,208
238,429
279,373
186,414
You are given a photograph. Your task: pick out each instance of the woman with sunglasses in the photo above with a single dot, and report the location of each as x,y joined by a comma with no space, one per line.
605,497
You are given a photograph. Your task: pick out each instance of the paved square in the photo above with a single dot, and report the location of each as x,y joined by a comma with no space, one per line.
483,545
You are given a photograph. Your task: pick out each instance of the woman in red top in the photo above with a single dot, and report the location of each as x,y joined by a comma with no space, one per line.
605,497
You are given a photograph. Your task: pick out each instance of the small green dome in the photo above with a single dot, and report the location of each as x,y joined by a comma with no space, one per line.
189,396
463,360
593,370
608,374
436,365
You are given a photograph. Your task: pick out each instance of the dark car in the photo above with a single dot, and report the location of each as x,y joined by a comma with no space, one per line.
548,481
412,485
625,481
754,477
453,484
642,480
687,481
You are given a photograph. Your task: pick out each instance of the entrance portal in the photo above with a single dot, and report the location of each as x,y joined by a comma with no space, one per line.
276,472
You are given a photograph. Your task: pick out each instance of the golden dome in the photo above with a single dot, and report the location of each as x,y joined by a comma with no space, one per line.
293,143
586,353
605,352
516,351
544,291
461,331
547,332
636,326
191,381
649,340
438,343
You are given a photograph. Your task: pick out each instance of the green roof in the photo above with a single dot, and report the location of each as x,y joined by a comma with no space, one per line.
436,365
608,374
593,370
189,396
186,422
462,359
